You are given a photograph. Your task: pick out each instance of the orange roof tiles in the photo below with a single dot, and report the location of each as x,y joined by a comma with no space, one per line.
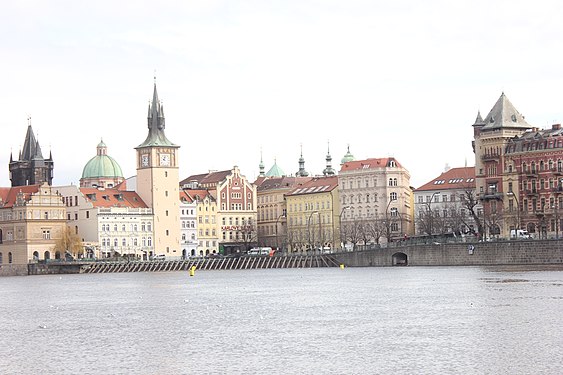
113,198
455,178
9,195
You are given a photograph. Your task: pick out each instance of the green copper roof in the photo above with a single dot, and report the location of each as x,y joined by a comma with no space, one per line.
275,171
348,157
101,165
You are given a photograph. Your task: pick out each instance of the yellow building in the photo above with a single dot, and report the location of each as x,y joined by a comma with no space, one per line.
313,211
272,218
207,227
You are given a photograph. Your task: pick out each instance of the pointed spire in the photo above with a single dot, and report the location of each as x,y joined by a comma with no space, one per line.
302,172
156,124
329,171
28,151
261,165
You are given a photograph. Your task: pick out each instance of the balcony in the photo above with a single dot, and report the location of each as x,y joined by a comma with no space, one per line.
558,189
532,192
490,157
491,196
531,173
557,171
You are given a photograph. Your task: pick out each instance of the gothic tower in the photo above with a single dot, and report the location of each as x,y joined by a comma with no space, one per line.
31,168
158,180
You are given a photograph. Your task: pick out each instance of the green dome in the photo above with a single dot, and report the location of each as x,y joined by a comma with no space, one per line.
102,165
348,157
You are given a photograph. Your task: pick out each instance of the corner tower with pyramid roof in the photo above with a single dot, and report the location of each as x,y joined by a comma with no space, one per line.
31,168
158,180
492,176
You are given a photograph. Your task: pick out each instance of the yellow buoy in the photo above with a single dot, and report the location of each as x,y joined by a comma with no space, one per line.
342,266
192,271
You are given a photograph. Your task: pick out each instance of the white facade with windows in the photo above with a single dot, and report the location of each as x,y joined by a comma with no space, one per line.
188,220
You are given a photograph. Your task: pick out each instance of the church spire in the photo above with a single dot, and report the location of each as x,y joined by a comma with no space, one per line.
329,171
156,124
302,172
261,166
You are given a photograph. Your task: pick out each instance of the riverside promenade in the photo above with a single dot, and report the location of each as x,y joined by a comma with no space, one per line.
520,252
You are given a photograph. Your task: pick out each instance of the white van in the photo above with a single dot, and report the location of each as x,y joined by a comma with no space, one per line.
260,251
519,233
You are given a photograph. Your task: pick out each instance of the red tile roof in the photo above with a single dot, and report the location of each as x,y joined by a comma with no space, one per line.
455,178
8,195
372,163
282,182
191,195
113,198
316,185
207,178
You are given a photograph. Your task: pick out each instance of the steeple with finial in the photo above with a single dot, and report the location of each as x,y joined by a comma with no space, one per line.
329,171
156,123
348,157
261,166
302,172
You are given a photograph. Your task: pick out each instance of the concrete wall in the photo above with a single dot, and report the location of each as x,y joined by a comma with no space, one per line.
483,253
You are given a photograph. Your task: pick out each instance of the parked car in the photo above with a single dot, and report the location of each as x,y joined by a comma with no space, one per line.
159,257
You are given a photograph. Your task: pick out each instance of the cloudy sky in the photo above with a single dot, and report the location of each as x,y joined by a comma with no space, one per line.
389,78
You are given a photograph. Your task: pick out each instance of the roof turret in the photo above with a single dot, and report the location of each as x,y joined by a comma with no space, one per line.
348,157
504,115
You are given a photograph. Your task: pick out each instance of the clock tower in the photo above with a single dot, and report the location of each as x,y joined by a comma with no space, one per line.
158,181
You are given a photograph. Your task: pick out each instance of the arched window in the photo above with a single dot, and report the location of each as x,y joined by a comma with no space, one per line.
123,242
47,255
123,227
115,227
149,241
10,257
115,242
393,196
1,258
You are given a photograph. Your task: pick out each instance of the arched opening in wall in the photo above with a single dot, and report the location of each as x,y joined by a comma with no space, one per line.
36,255
184,254
47,255
1,258
400,259
193,252
58,255
10,257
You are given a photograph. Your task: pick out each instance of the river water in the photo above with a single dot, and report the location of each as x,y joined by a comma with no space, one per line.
401,320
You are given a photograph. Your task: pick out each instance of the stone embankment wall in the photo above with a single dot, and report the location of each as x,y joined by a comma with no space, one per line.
13,270
462,254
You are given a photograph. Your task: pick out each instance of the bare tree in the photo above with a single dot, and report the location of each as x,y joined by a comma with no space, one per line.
351,229
69,243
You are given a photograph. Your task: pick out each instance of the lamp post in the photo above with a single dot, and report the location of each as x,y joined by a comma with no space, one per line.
340,224
277,221
431,218
308,227
555,209
511,193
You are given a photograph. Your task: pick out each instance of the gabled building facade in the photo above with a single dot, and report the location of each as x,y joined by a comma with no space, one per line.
32,219
236,207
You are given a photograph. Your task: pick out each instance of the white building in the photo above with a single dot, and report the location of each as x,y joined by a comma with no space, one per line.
188,219
110,222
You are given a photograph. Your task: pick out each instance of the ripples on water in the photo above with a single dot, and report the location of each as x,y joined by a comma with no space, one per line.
406,320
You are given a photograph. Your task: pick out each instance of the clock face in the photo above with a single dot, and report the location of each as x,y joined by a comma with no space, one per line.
165,160
145,160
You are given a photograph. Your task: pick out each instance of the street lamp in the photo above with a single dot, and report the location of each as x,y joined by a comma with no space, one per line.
431,219
511,194
340,223
308,227
277,221
555,209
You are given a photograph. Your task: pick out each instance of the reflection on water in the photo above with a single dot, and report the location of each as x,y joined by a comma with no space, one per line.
406,320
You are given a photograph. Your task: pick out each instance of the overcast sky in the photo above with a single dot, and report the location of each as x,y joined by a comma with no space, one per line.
389,78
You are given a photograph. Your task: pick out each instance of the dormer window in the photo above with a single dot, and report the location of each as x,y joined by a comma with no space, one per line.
513,118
